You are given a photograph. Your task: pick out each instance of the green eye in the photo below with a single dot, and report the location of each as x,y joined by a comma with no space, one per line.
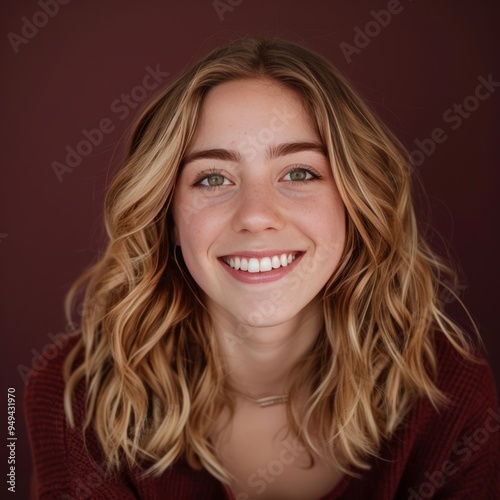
298,175
215,180
211,179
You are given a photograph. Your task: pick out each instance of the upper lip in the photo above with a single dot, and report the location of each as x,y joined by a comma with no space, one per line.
259,254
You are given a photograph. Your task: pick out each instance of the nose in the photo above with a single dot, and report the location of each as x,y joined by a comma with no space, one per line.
257,209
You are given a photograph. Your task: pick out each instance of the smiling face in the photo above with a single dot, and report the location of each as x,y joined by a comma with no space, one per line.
256,211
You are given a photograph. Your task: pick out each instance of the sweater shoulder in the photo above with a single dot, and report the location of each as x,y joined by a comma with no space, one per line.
46,420
468,382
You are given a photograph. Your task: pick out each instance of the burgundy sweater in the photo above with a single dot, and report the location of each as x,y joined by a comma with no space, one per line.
452,454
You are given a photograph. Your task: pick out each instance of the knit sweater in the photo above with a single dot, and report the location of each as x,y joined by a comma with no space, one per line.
453,453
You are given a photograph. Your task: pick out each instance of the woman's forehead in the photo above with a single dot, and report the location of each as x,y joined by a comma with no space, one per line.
254,112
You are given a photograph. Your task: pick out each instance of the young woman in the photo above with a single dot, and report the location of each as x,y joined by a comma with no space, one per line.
266,321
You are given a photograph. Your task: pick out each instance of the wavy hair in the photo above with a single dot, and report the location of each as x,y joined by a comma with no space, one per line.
154,384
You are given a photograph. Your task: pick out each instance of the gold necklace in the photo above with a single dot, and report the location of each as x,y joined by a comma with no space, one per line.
269,400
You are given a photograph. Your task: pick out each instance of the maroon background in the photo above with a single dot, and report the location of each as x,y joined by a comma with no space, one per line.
65,79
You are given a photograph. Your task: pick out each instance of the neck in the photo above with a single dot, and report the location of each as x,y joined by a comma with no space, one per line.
260,359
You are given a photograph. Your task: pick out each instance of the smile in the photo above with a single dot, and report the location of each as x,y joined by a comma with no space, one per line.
259,265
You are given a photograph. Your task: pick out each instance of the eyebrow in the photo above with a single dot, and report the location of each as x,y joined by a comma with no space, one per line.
272,152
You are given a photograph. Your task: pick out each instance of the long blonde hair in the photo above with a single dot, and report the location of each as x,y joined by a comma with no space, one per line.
155,387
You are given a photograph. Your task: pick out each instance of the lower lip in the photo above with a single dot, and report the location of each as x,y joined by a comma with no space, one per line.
265,277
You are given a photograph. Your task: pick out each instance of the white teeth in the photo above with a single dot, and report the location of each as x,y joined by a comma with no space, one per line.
254,265
265,265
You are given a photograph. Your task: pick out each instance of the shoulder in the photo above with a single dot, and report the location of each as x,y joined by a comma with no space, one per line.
469,388
468,383
45,417
69,464
461,435
452,448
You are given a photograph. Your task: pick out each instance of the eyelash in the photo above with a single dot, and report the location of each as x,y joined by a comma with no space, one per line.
205,174
208,173
309,170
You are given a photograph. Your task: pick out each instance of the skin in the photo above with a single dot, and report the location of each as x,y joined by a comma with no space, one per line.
257,206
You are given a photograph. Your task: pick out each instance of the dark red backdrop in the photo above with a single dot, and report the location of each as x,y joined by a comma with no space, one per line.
73,71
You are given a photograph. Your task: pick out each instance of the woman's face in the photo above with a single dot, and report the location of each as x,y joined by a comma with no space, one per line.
257,213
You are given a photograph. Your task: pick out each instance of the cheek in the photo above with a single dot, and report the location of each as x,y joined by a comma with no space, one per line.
330,231
335,226
326,221
197,229
187,219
